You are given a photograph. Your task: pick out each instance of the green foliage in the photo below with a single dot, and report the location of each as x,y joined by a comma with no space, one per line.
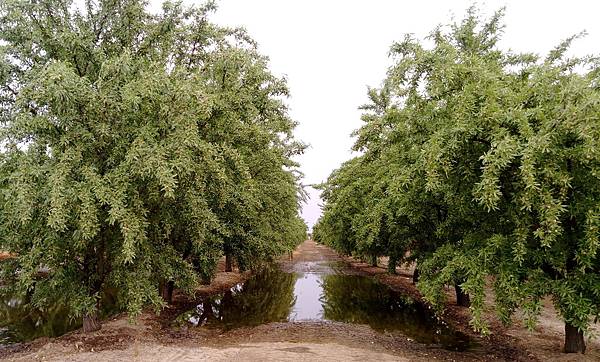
479,163
136,148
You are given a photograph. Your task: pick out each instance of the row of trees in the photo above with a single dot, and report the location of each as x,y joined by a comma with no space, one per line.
481,166
136,150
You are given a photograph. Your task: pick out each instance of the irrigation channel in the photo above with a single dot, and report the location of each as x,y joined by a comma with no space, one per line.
316,285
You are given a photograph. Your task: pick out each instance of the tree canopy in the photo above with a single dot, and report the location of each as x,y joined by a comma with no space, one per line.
482,165
137,149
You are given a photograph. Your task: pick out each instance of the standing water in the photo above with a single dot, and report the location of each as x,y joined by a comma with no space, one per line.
305,290
322,291
20,321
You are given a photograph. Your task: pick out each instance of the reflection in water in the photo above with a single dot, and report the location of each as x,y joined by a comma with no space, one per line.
20,321
264,298
362,300
318,293
308,291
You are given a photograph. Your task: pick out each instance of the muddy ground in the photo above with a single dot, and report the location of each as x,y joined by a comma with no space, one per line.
152,338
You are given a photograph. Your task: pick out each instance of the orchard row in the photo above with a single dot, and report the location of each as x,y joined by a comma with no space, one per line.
482,167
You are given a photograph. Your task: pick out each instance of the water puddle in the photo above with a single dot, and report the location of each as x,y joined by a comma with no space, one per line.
321,292
20,321
302,291
307,298
266,297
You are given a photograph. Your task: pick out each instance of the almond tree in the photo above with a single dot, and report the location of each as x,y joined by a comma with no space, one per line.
117,161
497,151
518,135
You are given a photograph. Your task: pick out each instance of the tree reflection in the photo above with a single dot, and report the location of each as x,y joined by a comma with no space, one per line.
266,297
20,321
357,299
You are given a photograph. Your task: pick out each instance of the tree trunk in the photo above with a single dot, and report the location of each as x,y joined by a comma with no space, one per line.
574,341
228,262
462,298
373,260
392,264
91,322
416,275
166,291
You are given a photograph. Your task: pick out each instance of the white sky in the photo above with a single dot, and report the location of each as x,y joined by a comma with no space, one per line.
331,50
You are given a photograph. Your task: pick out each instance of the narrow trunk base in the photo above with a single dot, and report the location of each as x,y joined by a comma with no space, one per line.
574,341
228,263
166,291
462,298
91,322
415,278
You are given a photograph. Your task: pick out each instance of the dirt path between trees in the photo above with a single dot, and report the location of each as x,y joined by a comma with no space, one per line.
152,338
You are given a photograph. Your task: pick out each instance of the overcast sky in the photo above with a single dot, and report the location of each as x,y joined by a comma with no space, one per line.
330,51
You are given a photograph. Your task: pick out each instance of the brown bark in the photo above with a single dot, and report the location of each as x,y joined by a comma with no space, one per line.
91,322
574,341
228,263
166,291
462,298
415,278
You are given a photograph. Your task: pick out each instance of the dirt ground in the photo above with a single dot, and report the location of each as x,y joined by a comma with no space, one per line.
152,338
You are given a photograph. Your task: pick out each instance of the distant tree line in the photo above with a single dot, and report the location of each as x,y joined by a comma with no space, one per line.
136,149
482,167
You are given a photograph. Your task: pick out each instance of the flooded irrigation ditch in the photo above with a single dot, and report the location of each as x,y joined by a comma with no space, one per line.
21,322
299,291
321,291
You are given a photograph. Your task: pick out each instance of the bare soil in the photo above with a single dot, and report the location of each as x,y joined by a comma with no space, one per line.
152,338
